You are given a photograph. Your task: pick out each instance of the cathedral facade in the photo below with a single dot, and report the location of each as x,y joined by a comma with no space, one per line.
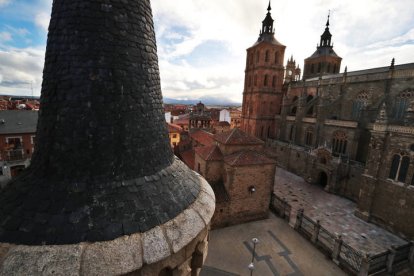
352,133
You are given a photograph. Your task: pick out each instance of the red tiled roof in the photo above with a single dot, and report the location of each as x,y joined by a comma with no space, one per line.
244,158
202,137
182,120
210,153
237,137
174,128
188,158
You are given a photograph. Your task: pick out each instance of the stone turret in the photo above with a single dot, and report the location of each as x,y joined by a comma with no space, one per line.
104,194
324,60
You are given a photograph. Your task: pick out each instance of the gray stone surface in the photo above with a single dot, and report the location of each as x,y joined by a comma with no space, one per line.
120,256
43,260
183,229
155,246
116,257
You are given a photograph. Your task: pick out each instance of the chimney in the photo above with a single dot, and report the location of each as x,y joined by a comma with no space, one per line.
104,193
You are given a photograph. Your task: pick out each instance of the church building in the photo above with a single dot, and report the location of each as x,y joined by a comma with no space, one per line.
350,132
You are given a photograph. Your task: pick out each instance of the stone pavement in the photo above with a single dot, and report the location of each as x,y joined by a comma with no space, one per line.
336,214
281,251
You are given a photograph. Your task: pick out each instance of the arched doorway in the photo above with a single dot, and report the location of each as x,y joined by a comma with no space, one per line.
322,179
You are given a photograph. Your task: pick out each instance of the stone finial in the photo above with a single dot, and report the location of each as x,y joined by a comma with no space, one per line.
392,67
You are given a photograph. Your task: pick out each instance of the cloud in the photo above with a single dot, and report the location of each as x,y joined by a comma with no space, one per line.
21,68
4,2
42,20
5,36
202,44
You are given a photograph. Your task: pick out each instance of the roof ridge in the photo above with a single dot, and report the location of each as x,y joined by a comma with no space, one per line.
231,134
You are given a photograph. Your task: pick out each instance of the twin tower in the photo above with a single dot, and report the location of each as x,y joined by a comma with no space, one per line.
265,76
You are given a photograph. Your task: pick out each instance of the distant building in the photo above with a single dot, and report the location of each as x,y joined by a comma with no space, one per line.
225,116
183,121
174,132
200,118
17,139
168,117
219,127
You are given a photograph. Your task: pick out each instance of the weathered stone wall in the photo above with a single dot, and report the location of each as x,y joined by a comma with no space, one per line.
392,207
246,205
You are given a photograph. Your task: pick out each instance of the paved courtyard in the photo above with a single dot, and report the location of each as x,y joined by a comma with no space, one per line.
281,251
335,213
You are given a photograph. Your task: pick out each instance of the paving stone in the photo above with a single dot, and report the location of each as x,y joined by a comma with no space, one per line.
335,213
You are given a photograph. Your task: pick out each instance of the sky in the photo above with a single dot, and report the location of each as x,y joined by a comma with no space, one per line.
202,43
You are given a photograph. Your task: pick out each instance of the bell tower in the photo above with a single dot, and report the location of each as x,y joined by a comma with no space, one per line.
264,74
324,61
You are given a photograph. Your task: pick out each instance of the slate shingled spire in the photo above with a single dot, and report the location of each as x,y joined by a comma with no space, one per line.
103,166
326,37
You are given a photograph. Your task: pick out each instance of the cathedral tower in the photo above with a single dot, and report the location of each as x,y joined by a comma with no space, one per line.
262,96
324,61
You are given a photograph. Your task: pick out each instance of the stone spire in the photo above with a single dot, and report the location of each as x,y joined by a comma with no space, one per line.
267,23
326,37
103,167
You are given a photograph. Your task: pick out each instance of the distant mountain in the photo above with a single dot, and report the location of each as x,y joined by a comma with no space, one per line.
204,100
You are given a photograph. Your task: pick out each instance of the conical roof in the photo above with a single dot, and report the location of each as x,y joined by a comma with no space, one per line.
103,166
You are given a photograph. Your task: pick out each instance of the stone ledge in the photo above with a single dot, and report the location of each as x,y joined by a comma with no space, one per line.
120,256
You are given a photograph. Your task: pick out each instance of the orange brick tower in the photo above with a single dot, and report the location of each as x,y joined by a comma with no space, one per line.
262,96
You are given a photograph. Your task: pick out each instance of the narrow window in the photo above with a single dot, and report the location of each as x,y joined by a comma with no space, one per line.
267,56
255,80
274,81
265,80
257,56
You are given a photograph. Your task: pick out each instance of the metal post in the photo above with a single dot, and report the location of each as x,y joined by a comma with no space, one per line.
251,265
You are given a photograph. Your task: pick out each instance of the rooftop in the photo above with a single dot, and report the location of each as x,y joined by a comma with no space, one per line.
237,137
245,158
209,153
18,121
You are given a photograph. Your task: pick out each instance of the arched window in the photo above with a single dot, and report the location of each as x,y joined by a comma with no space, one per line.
276,57
257,56
265,80
267,56
274,81
401,103
399,167
339,142
255,80
329,68
319,67
359,104
334,69
309,136
250,81
293,111
312,68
